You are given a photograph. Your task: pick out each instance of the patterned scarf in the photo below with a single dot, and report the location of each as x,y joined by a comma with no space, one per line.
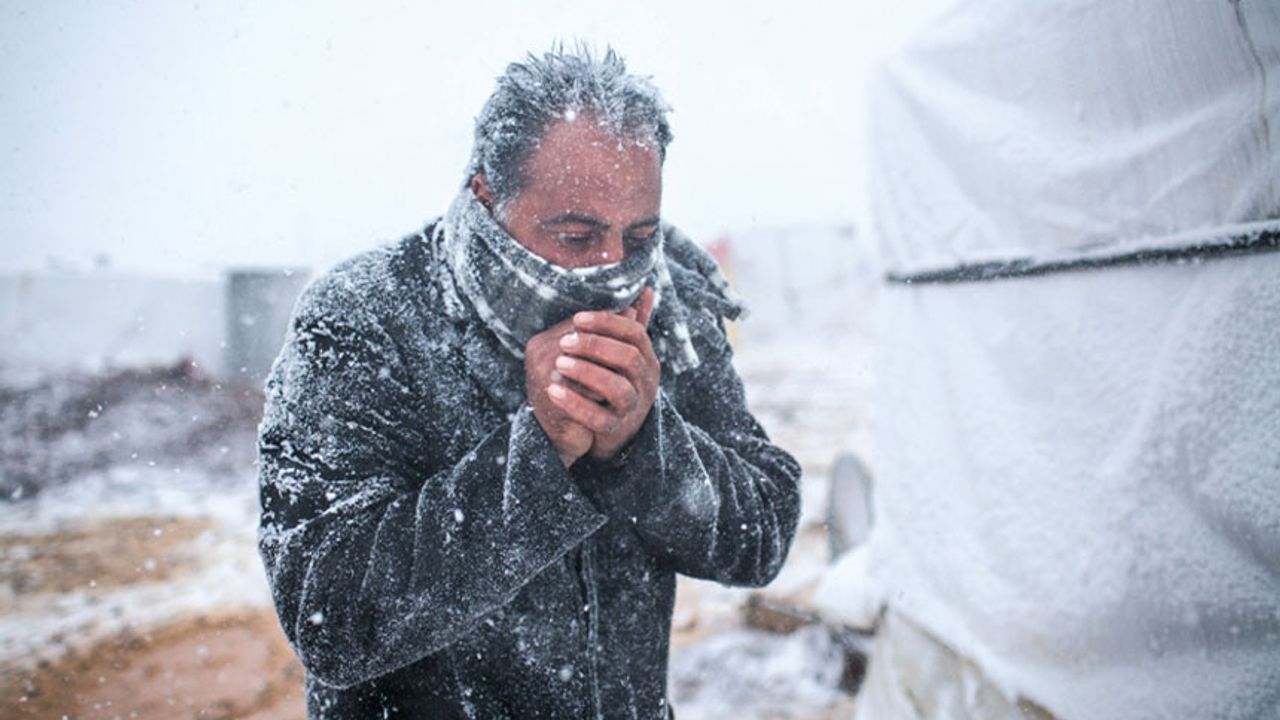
517,294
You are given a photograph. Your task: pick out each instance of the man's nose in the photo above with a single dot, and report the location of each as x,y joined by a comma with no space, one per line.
613,249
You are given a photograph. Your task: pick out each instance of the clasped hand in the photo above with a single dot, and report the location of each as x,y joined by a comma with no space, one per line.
592,379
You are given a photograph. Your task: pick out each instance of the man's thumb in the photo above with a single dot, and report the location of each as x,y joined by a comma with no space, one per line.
644,306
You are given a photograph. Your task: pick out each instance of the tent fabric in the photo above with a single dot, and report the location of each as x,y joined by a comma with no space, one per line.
1010,128
1078,474
1077,485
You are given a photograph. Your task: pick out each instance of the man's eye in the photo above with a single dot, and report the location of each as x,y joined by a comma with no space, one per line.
575,238
641,241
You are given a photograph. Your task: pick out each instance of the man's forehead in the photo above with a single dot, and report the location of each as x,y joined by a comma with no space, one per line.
580,157
583,137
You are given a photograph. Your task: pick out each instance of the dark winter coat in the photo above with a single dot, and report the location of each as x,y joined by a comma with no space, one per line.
428,554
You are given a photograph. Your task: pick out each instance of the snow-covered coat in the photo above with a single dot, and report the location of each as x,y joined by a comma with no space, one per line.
428,554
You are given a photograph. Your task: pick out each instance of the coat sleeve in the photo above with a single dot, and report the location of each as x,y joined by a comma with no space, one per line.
374,560
702,485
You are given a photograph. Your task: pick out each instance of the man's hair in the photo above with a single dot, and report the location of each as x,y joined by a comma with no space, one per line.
561,84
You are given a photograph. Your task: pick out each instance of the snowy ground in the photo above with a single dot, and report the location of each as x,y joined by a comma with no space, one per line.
127,549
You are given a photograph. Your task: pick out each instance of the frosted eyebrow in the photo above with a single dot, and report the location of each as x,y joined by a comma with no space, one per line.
643,223
571,218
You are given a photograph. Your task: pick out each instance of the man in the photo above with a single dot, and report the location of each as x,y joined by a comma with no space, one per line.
489,447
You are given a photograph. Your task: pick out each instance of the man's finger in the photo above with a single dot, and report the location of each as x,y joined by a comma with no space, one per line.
590,394
644,306
616,326
615,354
615,388
592,415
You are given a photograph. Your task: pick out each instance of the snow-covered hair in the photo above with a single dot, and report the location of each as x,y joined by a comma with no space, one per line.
533,94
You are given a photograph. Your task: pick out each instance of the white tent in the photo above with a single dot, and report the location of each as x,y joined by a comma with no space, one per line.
1078,456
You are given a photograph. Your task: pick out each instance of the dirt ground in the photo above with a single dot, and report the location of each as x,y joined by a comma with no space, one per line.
234,664
99,555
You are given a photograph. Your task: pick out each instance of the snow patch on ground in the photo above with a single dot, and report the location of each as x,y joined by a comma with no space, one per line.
745,673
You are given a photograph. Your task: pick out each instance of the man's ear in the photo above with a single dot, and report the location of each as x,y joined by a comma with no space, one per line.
481,190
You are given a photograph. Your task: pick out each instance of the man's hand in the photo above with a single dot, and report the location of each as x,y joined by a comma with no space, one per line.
571,439
609,356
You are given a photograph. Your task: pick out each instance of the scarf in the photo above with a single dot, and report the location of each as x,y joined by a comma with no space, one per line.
517,294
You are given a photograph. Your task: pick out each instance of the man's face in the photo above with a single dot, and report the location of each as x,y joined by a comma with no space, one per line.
589,198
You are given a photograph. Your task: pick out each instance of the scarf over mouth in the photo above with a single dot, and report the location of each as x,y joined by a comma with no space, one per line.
518,294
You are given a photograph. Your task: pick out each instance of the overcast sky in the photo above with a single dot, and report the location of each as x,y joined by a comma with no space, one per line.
183,138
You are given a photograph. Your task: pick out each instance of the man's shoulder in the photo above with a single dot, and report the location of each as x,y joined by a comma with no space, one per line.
375,283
